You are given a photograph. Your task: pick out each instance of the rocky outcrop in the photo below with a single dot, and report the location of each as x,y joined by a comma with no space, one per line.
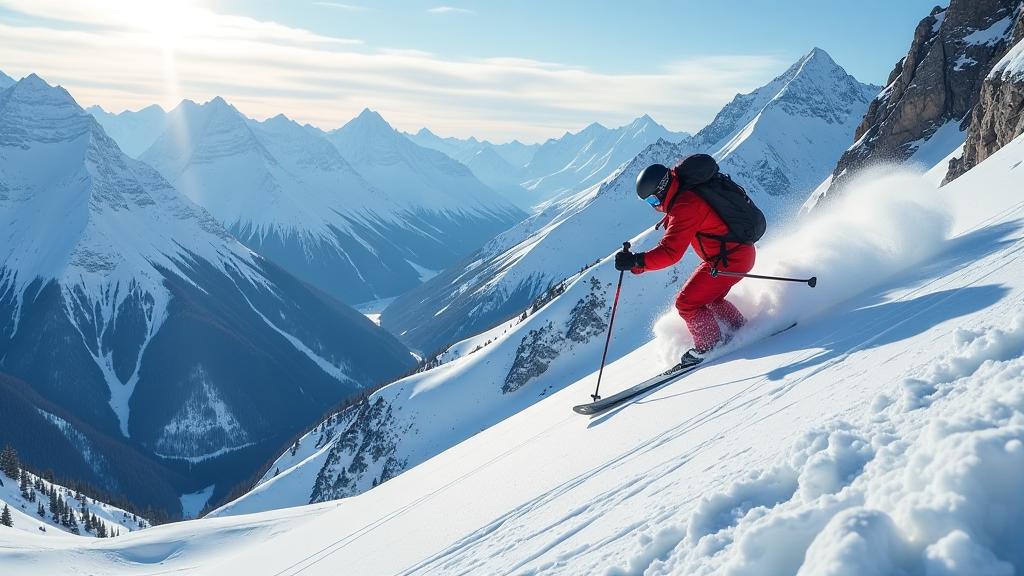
938,82
999,116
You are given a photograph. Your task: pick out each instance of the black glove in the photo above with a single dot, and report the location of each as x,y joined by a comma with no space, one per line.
628,260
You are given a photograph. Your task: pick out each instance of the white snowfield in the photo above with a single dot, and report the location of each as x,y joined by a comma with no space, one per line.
882,435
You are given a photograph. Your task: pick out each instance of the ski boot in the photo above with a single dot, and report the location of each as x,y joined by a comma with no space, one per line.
690,359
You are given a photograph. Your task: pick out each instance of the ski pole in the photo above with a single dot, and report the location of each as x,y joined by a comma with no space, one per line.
611,321
812,281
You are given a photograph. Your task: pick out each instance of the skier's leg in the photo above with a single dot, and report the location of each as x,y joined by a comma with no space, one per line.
741,261
692,304
704,329
727,313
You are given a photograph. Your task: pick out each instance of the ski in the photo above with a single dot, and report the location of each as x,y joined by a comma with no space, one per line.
603,404
631,392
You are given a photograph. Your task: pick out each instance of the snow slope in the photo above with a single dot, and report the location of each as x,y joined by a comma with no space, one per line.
6,81
25,517
882,435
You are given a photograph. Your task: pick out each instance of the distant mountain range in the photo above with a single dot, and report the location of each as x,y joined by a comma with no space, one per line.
532,175
381,213
362,224
500,166
153,330
134,132
779,141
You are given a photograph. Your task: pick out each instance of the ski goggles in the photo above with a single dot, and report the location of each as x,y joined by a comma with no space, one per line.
655,198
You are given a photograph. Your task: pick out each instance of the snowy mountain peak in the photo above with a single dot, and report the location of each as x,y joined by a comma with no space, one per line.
815,86
376,142
212,131
33,111
6,81
372,118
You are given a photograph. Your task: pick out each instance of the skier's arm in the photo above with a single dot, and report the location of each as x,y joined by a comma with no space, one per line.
680,230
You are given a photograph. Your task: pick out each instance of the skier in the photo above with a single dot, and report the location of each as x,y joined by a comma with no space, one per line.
690,221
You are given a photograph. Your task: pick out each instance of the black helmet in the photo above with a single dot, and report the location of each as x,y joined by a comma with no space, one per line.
653,180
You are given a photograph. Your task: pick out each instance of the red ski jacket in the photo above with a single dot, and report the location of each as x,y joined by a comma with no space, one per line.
689,215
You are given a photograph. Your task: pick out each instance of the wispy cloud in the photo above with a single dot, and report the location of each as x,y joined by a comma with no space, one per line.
450,10
119,59
340,5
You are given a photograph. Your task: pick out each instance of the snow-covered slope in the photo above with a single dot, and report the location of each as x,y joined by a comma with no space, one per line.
134,132
131,308
34,508
778,141
882,435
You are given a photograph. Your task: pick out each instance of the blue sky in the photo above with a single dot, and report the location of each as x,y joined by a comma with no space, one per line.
525,69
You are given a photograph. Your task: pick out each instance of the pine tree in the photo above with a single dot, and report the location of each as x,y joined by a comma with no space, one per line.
9,464
41,511
5,517
56,508
101,530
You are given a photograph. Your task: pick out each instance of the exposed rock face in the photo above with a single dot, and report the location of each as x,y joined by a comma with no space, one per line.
999,116
938,82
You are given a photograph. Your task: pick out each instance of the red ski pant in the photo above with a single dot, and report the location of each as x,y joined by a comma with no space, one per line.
701,301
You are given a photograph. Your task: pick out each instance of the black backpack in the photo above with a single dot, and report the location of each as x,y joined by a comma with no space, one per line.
699,173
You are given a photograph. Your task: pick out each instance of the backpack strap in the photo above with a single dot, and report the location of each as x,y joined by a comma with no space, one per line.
723,253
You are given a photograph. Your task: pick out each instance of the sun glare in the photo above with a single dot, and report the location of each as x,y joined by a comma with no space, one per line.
167,22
